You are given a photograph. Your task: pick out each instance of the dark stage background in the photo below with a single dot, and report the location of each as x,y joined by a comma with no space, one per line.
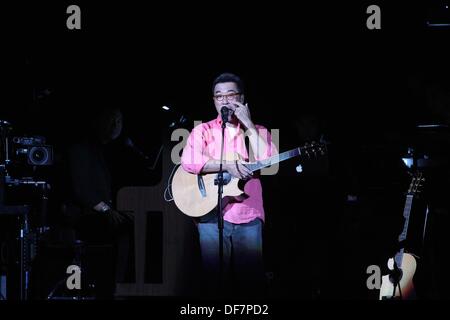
305,67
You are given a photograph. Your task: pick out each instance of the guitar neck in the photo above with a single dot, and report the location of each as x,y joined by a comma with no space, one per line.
399,257
402,236
274,159
406,215
413,189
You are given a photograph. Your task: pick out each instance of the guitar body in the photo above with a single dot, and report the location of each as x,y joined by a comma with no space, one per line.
408,268
189,198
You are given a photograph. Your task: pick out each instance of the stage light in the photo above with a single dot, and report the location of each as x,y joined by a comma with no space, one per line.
408,162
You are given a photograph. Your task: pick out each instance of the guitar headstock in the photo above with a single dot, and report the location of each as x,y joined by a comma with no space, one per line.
314,149
416,184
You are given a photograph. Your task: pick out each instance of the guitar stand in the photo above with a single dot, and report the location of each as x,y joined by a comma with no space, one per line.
395,276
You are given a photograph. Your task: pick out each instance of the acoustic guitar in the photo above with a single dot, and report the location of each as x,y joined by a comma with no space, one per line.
398,284
196,195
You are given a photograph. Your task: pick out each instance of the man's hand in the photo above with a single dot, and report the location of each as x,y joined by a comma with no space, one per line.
242,113
238,170
258,144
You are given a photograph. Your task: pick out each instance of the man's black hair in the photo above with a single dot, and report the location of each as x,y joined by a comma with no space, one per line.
229,77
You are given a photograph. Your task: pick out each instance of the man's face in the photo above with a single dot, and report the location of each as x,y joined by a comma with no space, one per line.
110,125
116,125
224,95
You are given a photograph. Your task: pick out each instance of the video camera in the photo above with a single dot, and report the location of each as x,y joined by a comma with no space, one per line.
32,150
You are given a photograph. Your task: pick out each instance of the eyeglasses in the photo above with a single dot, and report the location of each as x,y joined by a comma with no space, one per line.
230,96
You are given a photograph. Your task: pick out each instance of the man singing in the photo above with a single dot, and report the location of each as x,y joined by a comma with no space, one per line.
243,218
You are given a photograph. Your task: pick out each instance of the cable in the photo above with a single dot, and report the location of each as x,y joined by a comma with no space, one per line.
3,253
153,166
168,190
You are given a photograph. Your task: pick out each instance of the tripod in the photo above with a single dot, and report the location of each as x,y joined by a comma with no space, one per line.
62,285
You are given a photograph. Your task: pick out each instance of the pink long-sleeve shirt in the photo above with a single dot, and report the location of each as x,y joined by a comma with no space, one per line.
204,144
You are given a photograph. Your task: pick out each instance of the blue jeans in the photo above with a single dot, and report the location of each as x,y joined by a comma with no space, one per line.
243,260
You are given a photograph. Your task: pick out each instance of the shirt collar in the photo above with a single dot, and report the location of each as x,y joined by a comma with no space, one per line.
219,123
230,134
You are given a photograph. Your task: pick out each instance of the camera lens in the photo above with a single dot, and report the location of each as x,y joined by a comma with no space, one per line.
38,155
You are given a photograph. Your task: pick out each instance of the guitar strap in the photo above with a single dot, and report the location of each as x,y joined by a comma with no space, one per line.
247,147
201,185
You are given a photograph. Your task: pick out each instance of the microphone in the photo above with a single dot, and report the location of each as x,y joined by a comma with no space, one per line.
130,144
224,112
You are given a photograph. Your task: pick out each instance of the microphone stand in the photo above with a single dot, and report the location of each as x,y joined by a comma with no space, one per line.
220,182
